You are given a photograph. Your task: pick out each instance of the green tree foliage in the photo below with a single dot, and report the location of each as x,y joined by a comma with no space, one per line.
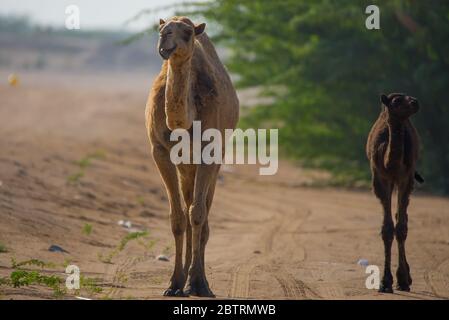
325,71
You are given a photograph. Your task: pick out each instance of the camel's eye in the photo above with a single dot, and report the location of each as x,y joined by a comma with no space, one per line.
164,34
396,101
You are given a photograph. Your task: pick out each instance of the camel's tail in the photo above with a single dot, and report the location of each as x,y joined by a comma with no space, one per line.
418,177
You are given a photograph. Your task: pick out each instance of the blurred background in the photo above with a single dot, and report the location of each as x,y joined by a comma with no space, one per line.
316,69
33,37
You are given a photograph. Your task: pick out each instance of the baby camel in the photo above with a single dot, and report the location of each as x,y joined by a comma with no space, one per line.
392,150
193,85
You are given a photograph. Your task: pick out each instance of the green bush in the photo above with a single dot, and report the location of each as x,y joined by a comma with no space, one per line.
325,71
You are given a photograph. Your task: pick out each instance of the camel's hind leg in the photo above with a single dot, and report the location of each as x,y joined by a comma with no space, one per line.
403,271
205,230
177,219
204,181
383,190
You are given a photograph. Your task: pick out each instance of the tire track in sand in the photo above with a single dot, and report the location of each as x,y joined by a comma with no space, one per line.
291,287
294,288
241,276
443,281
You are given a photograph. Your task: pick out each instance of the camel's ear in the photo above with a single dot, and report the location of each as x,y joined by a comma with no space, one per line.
161,22
384,100
199,29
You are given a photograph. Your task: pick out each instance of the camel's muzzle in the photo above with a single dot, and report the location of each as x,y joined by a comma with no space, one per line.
414,104
165,53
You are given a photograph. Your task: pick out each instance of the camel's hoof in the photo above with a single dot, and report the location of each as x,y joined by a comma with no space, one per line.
404,280
199,291
403,287
386,289
174,293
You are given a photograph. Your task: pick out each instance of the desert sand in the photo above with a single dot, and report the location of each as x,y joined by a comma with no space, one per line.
74,151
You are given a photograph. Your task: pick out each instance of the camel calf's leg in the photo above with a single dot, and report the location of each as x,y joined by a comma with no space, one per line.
403,271
177,218
197,283
383,190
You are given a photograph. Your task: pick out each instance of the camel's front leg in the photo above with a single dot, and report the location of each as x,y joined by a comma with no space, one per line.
403,271
204,180
177,217
383,190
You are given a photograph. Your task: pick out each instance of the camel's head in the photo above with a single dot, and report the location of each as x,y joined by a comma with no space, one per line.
399,105
176,37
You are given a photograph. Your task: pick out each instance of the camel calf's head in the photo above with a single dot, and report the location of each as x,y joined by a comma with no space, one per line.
400,106
176,37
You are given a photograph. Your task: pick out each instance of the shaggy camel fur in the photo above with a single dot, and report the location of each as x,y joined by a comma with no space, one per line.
392,150
193,85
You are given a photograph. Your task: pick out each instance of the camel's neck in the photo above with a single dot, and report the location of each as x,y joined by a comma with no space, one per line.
395,150
178,109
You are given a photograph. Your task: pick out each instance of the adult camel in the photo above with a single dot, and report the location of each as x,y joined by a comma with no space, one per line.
193,85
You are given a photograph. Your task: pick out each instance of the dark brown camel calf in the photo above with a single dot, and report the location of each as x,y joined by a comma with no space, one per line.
392,150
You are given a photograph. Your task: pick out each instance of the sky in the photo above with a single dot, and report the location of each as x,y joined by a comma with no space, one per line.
94,14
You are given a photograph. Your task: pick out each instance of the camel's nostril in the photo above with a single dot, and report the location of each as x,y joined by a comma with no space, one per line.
414,105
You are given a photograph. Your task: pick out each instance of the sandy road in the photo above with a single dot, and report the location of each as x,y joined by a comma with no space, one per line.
271,237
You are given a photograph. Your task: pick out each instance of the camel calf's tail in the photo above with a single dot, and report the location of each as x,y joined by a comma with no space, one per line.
418,177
